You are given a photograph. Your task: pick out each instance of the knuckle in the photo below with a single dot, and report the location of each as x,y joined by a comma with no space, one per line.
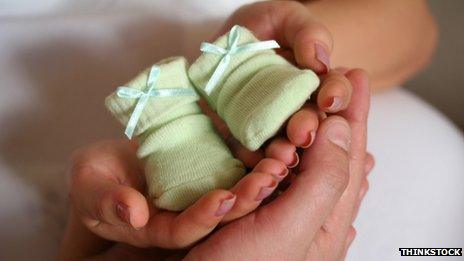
352,233
365,184
178,238
100,205
337,80
99,210
361,72
320,33
78,180
90,223
370,160
78,173
264,162
337,177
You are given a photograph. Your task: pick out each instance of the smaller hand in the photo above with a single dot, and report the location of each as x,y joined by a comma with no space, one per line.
313,218
303,40
307,220
108,194
306,43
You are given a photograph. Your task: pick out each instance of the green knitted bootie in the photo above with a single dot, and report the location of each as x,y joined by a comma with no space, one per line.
253,89
183,155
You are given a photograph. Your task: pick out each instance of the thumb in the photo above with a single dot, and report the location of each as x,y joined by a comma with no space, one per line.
318,187
291,24
99,199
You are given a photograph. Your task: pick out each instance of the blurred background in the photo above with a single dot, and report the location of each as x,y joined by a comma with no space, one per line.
442,83
60,58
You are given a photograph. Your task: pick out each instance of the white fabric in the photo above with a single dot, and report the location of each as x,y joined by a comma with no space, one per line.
416,195
60,58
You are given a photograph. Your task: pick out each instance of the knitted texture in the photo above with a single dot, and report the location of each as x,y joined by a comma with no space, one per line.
183,155
257,92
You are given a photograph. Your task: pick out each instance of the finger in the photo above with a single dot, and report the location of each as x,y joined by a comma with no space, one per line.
362,194
370,163
363,190
335,92
287,54
255,187
248,157
356,114
357,111
272,166
317,188
302,127
99,199
283,150
349,240
172,230
112,159
291,25
169,229
310,40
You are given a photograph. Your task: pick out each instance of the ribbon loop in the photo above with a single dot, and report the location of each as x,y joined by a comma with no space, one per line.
211,48
232,48
143,97
152,76
129,93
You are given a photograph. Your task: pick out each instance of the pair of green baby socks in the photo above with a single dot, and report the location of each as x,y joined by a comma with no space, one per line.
252,89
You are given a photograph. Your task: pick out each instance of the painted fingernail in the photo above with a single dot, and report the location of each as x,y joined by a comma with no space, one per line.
322,56
225,206
280,176
339,134
123,212
264,192
284,173
296,160
310,140
334,104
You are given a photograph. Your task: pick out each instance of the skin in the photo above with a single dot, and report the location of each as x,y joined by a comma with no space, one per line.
108,174
390,39
409,34
311,219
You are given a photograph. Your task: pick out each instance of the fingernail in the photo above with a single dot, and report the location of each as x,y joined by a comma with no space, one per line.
264,192
338,133
310,140
123,212
225,206
322,56
296,160
94,222
282,174
334,104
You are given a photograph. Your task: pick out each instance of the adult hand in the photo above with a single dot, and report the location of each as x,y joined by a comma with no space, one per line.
305,43
303,40
107,187
312,218
107,193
